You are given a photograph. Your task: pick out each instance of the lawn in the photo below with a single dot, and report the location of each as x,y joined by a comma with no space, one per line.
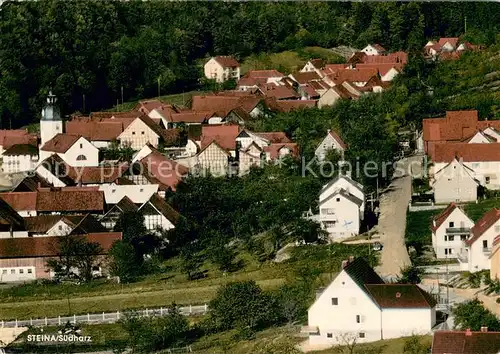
476,210
171,285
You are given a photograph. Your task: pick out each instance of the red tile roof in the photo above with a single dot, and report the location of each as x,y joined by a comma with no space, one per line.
20,201
274,149
97,175
223,135
465,342
483,225
146,106
304,77
21,149
278,92
452,40
290,105
165,172
227,61
223,104
466,152
70,201
354,75
191,116
378,47
397,57
23,247
61,143
96,130
382,69
439,219
400,296
250,81
6,135
116,115
317,63
274,137
457,125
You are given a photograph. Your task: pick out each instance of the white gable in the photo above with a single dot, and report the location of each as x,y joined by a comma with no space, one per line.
342,183
479,138
138,194
458,218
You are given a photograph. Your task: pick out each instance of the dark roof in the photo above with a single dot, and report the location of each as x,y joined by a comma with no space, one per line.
22,149
344,194
441,217
84,224
20,247
9,215
41,223
163,208
125,204
70,201
361,272
60,143
333,181
400,296
483,225
463,342
31,183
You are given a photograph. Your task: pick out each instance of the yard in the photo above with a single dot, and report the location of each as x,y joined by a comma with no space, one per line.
170,285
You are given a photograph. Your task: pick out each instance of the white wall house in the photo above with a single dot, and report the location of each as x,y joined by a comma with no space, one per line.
158,215
340,215
450,229
358,306
478,247
20,158
454,182
332,141
373,49
346,183
137,134
222,68
138,194
75,150
51,123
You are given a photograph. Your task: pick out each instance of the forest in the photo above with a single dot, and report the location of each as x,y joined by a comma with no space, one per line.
94,53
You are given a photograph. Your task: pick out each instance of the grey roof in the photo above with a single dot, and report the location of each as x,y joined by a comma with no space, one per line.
361,272
349,179
346,195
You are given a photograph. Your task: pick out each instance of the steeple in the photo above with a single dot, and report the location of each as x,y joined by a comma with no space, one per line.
51,112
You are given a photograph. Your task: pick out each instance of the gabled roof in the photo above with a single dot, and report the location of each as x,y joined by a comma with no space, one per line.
452,40
96,130
278,92
147,106
9,137
304,77
61,143
400,296
97,175
317,63
439,219
21,149
290,105
361,273
224,135
382,69
30,183
274,137
9,215
227,61
465,342
70,201
161,170
456,125
378,47
483,225
20,201
355,184
352,198
23,247
163,208
191,116
337,138
274,149
126,205
466,152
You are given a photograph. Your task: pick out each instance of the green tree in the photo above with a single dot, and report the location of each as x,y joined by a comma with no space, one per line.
413,345
125,262
472,315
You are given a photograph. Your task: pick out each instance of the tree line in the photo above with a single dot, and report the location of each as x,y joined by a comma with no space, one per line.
95,53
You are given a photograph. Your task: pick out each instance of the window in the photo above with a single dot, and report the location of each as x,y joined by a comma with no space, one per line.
329,335
338,199
133,133
335,301
361,334
142,133
4,271
487,180
358,319
60,227
448,251
475,165
113,191
463,238
30,271
12,271
452,224
21,271
485,243
446,237
141,190
81,146
81,158
451,238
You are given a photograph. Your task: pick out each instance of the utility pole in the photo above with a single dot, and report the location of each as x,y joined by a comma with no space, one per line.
83,99
158,86
465,31
122,94
447,286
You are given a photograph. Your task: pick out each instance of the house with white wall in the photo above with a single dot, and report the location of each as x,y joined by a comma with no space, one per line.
373,49
454,182
143,130
358,306
341,208
222,68
450,229
478,247
75,150
20,158
332,141
158,214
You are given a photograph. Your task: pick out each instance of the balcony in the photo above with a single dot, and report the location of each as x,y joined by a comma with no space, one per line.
487,250
457,230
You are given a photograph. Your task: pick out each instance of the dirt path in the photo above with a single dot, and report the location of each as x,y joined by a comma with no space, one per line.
392,223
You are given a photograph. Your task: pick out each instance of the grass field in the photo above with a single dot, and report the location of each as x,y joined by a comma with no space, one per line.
171,285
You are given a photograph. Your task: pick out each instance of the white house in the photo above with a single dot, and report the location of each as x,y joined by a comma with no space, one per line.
222,68
143,130
20,158
75,150
373,49
332,141
138,194
454,182
450,229
478,247
158,214
358,306
346,183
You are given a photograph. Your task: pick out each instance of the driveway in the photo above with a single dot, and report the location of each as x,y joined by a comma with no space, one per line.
392,222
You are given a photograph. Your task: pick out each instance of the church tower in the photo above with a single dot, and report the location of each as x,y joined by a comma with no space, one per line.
51,123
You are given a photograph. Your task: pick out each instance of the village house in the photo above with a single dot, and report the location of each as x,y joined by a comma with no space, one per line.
466,342
331,142
332,95
141,131
75,150
341,207
10,137
373,49
253,78
357,306
478,247
222,68
20,158
314,65
454,182
51,123
158,214
115,212
495,259
449,231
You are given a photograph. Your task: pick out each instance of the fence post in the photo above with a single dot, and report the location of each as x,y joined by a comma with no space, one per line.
206,308
146,312
103,316
190,309
117,315
74,319
2,324
161,311
16,322
31,321
59,320
45,321
88,317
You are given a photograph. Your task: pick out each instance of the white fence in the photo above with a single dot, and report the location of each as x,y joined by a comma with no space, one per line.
104,317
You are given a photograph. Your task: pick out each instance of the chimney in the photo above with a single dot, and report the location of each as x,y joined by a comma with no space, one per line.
351,259
344,263
468,333
484,329
39,185
328,131
434,222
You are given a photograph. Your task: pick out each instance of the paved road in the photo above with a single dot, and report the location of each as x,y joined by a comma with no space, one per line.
392,222
95,318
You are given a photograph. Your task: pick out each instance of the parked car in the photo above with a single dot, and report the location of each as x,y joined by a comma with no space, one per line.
377,246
